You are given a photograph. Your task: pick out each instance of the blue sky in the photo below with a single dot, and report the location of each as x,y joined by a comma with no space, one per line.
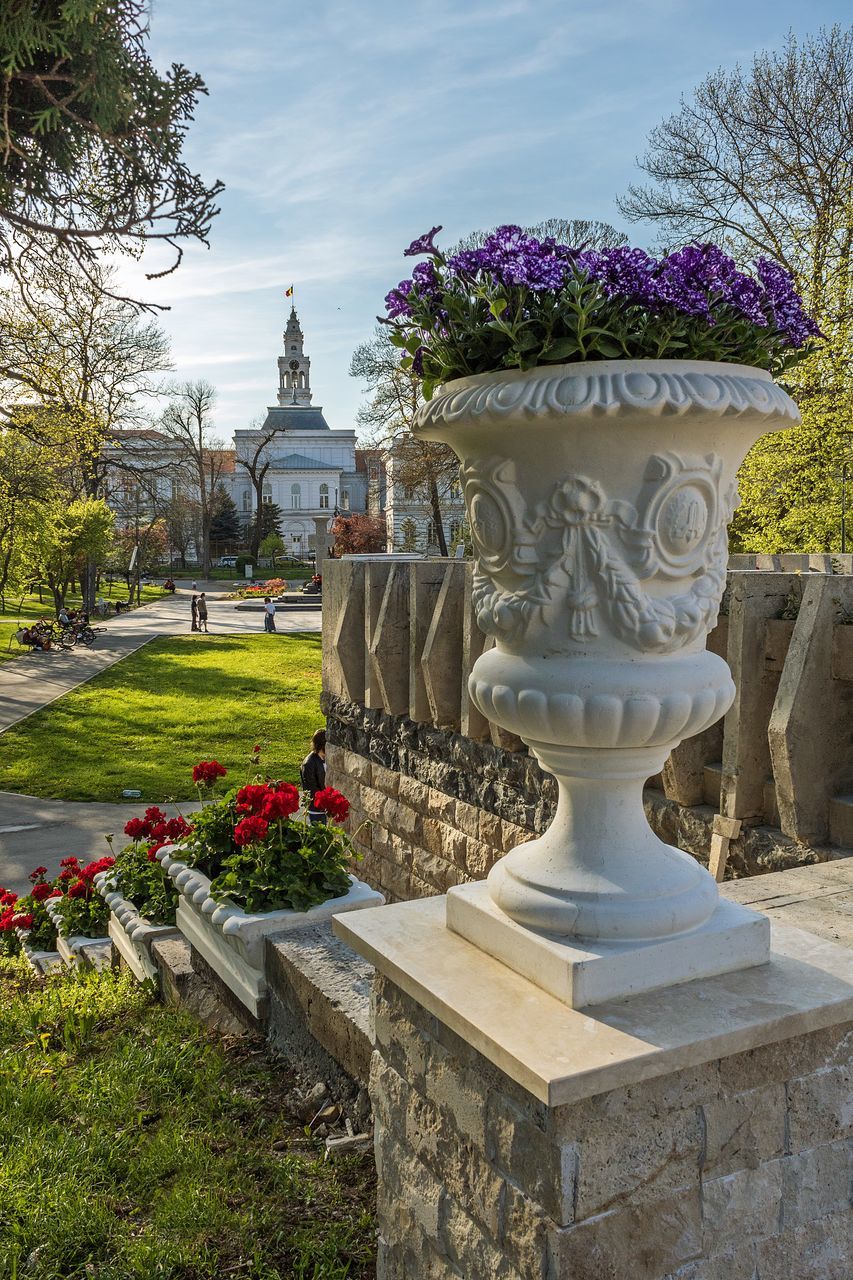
343,129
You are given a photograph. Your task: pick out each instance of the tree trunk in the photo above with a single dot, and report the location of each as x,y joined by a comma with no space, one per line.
435,503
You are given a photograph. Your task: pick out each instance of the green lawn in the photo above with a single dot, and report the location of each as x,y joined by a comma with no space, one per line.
20,610
136,1145
147,720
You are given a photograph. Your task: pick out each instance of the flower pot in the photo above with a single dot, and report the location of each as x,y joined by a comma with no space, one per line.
78,949
231,940
599,496
41,962
130,933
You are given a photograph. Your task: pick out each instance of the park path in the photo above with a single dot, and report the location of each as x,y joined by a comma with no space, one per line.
36,679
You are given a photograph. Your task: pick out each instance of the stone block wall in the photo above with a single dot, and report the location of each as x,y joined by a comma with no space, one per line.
738,1168
432,808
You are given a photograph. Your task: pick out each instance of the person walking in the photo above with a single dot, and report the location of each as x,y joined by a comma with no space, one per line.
194,610
269,614
312,772
202,613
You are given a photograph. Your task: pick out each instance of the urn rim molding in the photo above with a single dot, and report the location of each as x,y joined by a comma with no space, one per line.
612,388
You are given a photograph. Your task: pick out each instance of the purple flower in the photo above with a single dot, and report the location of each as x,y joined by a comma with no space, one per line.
395,301
510,257
423,244
418,362
785,306
427,281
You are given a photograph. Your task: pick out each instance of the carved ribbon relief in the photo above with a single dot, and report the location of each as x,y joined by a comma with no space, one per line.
580,558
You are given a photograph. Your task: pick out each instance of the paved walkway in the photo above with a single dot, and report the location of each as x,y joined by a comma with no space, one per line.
37,832
34,680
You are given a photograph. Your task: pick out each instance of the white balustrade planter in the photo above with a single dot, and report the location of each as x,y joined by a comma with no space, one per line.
231,940
599,496
131,934
41,962
77,948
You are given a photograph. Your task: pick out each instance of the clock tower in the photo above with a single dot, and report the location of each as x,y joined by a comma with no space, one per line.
294,367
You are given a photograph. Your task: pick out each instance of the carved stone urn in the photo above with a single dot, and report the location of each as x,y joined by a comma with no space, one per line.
599,496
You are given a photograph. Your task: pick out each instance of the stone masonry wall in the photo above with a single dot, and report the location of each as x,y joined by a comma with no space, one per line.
433,808
737,1169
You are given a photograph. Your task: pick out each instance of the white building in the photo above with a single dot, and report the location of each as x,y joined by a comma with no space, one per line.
313,470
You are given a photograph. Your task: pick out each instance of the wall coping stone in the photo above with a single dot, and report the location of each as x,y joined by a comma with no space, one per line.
562,1055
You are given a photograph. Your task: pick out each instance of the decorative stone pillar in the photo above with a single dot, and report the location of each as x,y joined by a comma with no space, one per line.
321,541
700,1133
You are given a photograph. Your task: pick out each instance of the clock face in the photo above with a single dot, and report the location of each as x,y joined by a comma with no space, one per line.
294,364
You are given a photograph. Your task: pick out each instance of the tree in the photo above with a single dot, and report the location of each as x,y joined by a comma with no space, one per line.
760,160
91,136
389,414
271,546
152,542
271,516
188,422
27,485
256,465
182,525
359,534
70,536
409,530
225,527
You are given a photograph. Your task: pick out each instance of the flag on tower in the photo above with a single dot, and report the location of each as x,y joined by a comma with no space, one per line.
288,293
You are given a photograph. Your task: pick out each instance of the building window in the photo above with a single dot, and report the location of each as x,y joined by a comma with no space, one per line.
455,530
324,497
295,496
247,500
267,491
408,492
345,499
431,538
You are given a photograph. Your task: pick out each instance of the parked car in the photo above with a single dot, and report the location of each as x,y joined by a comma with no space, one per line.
227,562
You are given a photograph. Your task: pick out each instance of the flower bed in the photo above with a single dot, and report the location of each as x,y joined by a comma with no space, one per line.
251,867
80,914
140,897
26,927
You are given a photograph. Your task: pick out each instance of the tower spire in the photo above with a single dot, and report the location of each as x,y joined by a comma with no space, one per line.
294,367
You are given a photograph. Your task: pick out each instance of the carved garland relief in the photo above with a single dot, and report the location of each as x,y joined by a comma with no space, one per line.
582,555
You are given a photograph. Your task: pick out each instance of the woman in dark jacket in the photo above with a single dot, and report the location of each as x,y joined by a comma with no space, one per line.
194,610
313,772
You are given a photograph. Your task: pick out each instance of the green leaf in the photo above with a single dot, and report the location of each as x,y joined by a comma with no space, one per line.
560,349
498,307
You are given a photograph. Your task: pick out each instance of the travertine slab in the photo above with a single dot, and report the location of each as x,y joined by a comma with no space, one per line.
581,974
562,1055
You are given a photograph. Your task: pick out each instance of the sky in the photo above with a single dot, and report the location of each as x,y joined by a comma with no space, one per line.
342,129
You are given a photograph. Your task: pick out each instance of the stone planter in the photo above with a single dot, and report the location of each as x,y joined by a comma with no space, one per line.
231,940
842,652
599,496
78,949
41,962
131,934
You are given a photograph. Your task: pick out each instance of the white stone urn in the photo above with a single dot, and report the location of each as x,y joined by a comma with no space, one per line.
599,496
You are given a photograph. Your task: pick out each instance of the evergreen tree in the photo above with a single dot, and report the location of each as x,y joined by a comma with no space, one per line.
225,524
270,522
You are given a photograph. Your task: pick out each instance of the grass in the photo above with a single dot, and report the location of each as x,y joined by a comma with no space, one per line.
29,607
135,1145
146,721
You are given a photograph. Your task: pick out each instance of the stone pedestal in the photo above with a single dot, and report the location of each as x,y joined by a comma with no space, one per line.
698,1133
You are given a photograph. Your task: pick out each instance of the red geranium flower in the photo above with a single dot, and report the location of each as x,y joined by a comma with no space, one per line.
68,874
250,799
79,889
8,899
251,830
137,828
281,803
40,891
23,921
70,861
154,850
155,815
35,875
176,828
333,803
206,772
159,831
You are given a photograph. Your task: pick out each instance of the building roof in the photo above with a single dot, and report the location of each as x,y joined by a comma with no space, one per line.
291,417
300,462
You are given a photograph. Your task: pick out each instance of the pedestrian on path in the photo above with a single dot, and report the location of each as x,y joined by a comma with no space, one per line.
269,614
312,773
194,611
202,613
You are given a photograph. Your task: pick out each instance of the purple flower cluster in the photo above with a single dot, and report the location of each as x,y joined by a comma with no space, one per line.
699,281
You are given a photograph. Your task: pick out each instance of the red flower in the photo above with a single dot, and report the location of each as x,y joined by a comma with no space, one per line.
7,918
23,921
251,830
70,861
281,803
159,831
250,799
206,772
8,899
136,828
41,891
176,828
332,802
155,815
154,850
256,749
68,873
79,889
35,875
